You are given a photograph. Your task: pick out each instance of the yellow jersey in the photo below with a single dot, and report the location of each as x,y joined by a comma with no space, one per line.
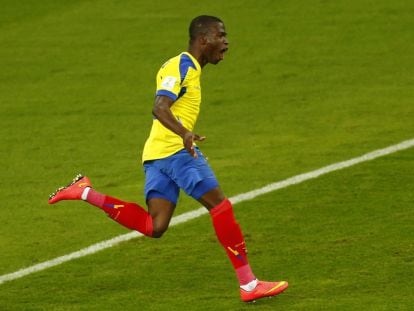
179,79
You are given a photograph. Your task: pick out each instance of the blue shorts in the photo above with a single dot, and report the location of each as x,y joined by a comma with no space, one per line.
164,177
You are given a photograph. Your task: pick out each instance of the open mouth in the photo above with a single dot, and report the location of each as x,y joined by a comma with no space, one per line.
222,51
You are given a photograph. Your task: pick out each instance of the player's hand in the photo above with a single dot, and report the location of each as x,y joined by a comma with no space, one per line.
189,139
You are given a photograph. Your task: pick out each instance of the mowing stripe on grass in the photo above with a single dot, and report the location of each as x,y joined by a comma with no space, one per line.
201,211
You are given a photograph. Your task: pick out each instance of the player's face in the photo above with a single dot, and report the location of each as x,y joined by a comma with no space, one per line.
217,43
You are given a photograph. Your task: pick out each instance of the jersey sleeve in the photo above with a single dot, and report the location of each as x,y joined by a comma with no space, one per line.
171,78
168,80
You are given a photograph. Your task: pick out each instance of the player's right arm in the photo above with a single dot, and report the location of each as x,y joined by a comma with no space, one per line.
162,112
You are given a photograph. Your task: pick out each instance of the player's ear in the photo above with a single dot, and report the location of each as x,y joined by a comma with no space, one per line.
203,39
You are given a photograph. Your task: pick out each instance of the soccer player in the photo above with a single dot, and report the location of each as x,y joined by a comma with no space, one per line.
172,160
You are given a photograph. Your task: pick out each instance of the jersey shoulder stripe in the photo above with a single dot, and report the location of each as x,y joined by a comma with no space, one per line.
185,63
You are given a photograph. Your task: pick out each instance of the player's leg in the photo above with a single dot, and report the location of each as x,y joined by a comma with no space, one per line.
199,181
231,238
130,215
161,211
161,195
229,234
212,198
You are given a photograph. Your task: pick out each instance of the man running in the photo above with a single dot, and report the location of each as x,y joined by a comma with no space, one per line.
172,161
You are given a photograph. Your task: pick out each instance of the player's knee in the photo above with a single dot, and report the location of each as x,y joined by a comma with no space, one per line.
157,234
158,231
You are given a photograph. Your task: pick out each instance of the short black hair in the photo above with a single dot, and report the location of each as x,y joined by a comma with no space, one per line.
201,25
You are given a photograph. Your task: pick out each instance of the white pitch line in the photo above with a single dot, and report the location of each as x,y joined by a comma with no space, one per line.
201,211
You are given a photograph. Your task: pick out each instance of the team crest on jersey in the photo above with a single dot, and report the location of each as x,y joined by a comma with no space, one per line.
168,82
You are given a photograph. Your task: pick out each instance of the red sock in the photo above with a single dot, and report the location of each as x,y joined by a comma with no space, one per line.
130,215
230,236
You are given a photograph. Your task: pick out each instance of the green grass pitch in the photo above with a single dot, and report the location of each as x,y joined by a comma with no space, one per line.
304,84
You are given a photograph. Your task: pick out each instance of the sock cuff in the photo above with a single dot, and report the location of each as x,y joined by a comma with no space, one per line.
85,192
249,286
224,206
